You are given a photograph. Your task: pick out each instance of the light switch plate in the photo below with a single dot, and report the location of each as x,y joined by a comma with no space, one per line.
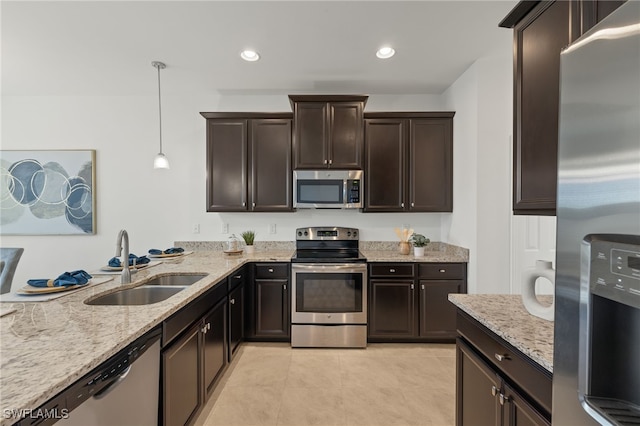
272,228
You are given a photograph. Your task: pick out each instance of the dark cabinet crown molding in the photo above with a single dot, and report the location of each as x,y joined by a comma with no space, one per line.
328,98
247,115
409,114
517,13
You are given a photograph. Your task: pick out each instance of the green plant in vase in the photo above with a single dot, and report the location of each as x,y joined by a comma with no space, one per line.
419,242
249,237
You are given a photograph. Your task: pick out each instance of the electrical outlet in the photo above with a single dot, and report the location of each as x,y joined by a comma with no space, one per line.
272,228
196,228
225,228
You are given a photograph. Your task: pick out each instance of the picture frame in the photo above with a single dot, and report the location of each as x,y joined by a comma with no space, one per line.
47,192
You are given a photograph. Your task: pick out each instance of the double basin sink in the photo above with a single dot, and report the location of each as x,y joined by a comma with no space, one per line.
153,291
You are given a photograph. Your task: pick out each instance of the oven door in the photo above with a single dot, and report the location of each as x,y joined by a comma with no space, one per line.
329,293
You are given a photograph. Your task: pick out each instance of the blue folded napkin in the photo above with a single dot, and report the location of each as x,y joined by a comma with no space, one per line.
78,277
172,250
142,260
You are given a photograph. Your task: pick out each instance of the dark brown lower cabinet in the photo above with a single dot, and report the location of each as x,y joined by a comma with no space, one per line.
391,309
409,302
508,392
236,319
190,366
268,304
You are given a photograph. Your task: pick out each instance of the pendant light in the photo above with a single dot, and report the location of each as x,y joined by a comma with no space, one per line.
161,161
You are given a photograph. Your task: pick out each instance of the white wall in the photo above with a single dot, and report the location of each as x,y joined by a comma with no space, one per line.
158,207
482,99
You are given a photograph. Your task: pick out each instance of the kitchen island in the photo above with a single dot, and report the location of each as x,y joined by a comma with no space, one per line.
47,346
504,361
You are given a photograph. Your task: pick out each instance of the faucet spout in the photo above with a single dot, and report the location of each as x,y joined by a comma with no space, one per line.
123,236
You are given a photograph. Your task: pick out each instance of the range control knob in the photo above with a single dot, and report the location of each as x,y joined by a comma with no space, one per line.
355,234
348,233
299,233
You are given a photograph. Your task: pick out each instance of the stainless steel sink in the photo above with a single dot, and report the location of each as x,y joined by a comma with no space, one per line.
183,280
143,295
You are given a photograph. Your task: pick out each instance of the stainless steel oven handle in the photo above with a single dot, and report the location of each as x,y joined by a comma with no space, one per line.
323,267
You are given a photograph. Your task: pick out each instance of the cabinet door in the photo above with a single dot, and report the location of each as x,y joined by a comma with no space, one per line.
476,384
392,308
345,143
385,148
270,171
518,412
236,319
226,165
309,142
272,308
431,165
539,37
214,345
437,314
181,385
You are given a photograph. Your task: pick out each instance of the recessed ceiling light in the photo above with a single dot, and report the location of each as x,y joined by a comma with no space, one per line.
249,55
385,52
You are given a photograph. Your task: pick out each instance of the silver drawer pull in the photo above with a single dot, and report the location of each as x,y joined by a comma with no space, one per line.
270,270
494,390
238,277
443,270
232,301
392,270
284,286
502,357
423,286
503,399
411,286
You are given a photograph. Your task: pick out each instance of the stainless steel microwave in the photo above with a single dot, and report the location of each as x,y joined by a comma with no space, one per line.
327,189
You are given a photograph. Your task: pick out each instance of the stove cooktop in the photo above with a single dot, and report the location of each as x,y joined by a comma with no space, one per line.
328,256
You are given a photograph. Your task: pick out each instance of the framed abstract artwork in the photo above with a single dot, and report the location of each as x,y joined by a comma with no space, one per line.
47,192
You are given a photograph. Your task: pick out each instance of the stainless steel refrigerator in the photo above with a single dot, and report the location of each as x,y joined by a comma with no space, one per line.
596,377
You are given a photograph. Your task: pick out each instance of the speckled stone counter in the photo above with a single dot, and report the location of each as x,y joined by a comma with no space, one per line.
506,316
46,346
435,252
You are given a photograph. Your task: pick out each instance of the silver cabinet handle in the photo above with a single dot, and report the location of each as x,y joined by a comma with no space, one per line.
330,162
238,277
270,270
204,330
402,205
501,358
422,286
244,204
325,161
411,286
232,301
284,286
208,326
253,204
391,270
503,399
413,204
494,390
442,271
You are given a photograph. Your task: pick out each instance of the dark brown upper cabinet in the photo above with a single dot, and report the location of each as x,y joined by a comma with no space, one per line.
328,131
249,162
409,162
541,30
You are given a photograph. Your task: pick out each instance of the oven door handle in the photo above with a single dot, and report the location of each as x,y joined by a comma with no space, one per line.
324,267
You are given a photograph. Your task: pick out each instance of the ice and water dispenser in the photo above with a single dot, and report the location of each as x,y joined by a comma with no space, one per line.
609,377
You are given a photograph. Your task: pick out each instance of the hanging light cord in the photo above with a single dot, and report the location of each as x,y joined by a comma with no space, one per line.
159,106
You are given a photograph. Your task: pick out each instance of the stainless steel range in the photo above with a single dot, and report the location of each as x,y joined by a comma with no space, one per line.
329,289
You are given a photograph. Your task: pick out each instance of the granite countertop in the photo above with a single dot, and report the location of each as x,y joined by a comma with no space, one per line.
47,346
434,252
506,316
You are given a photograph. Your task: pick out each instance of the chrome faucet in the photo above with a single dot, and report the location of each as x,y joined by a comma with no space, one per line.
125,278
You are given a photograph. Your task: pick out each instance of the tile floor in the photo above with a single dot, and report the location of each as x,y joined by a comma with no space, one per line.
385,384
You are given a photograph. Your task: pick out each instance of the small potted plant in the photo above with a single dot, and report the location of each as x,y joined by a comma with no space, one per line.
419,242
248,237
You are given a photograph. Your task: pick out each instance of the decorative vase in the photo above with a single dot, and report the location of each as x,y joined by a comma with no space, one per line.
418,251
543,269
250,249
405,247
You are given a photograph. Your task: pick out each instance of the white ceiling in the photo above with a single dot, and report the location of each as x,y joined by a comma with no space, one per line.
106,48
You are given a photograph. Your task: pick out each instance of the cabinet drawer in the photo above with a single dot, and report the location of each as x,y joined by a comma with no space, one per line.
442,271
236,278
532,378
272,270
392,270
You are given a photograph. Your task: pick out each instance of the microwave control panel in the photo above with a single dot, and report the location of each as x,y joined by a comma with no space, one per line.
353,191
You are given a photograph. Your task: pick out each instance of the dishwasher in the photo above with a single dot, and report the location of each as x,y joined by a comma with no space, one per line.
121,391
